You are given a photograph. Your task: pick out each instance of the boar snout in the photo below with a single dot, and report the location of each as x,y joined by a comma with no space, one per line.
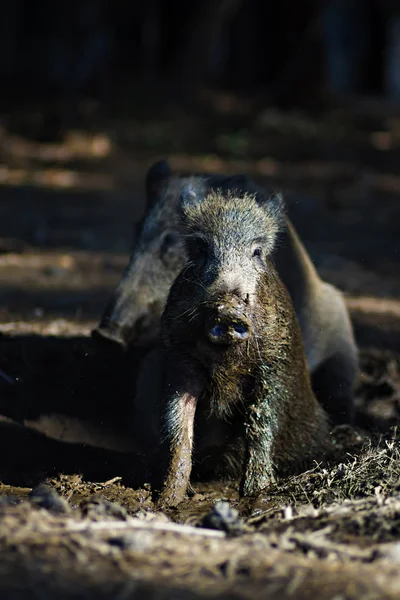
109,331
138,331
228,322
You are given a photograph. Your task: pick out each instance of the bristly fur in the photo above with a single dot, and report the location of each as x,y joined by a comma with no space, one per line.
236,211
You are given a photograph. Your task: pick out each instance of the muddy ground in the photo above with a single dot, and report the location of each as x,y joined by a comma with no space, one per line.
67,210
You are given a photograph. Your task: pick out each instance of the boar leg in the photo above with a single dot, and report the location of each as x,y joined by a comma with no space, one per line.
176,449
258,470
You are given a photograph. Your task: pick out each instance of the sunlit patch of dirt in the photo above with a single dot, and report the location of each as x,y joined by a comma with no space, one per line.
375,306
82,271
76,145
55,178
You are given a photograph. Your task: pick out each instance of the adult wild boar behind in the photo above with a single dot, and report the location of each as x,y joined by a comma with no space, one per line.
235,372
133,314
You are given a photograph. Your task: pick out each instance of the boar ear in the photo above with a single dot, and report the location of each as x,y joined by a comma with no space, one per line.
276,202
274,208
190,193
273,204
156,177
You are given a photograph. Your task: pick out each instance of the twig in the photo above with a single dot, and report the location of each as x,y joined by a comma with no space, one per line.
88,526
317,542
110,481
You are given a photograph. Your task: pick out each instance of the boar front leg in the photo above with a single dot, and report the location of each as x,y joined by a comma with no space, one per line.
175,458
258,469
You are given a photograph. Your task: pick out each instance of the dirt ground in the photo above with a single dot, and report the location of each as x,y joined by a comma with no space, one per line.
67,211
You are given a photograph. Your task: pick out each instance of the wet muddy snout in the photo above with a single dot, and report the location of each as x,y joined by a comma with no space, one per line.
227,322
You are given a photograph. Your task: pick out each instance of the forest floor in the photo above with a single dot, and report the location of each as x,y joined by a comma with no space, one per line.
67,210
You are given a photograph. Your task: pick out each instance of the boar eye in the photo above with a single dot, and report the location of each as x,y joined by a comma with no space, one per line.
257,252
197,248
170,250
170,239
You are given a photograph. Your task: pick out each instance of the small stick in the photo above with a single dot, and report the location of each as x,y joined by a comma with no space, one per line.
138,524
110,481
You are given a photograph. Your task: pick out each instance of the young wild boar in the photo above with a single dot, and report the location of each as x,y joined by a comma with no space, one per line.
236,387
133,315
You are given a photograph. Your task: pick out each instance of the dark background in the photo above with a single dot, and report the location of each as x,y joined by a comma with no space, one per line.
303,96
285,51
